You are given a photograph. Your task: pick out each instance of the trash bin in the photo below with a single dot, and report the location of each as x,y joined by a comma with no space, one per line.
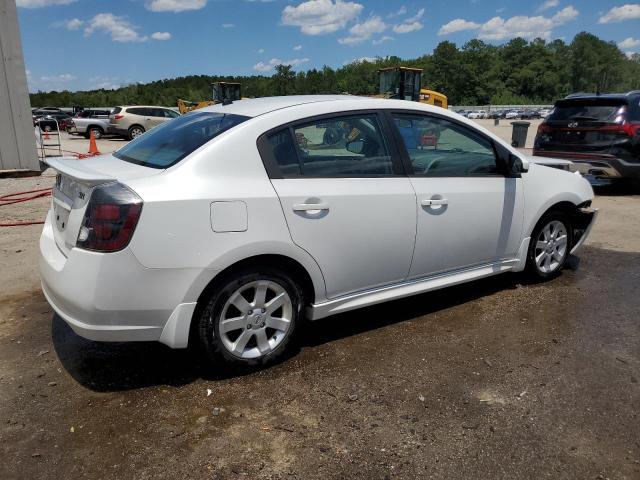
519,134
496,121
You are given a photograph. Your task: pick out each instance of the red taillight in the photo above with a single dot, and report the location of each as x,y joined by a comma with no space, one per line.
118,117
631,128
110,218
544,128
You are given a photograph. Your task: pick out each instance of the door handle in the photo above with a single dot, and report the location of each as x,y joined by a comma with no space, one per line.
305,207
434,201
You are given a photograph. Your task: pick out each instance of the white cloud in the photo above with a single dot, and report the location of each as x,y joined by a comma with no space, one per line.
381,40
360,60
118,27
73,24
410,24
630,11
457,25
498,28
297,47
261,50
361,32
398,13
268,66
629,43
161,36
42,3
174,5
228,25
318,17
62,78
548,4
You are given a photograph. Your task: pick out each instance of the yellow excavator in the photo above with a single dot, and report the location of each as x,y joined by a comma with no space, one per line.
404,83
223,92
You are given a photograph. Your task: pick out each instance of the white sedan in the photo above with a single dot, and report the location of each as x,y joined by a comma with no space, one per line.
225,227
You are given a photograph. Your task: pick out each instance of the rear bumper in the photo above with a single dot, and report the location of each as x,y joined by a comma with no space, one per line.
600,166
113,298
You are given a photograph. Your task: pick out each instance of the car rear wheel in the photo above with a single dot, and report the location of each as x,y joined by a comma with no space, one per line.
549,246
251,318
135,131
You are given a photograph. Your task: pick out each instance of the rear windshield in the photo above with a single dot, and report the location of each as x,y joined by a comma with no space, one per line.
169,143
607,111
116,110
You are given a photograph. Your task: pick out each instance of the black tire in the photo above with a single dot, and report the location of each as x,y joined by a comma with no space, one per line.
533,269
98,133
208,327
133,129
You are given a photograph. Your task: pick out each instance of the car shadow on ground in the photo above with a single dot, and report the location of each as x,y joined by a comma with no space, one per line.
125,366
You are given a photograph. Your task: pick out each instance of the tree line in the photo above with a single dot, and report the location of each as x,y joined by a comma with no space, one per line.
517,72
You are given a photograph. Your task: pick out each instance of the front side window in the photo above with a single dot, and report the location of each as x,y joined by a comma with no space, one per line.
173,140
347,146
440,148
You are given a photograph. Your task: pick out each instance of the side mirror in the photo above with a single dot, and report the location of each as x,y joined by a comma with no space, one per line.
355,146
517,164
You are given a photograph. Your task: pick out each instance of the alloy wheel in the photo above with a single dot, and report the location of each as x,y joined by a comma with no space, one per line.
255,319
551,246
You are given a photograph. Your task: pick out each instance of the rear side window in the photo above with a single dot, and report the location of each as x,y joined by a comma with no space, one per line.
169,143
602,111
137,111
347,146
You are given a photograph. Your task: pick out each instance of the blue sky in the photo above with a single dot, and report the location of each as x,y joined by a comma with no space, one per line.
85,44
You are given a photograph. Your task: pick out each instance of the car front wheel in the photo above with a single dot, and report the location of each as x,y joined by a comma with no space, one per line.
251,318
549,246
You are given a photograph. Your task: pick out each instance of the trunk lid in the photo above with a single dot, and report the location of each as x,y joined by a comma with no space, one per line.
75,182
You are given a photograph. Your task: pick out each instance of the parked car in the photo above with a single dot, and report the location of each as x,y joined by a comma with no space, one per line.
97,125
599,133
529,115
477,114
133,121
544,112
92,113
512,114
226,226
62,118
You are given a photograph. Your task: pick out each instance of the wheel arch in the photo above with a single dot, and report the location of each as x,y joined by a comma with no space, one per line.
282,262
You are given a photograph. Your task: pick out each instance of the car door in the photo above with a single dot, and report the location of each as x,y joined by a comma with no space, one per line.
155,116
345,198
469,211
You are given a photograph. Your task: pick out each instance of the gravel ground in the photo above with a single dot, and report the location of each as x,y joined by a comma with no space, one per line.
498,378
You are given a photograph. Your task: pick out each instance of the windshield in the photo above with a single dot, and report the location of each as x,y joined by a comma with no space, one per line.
169,143
588,111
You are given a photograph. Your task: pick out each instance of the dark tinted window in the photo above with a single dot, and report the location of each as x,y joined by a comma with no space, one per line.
604,110
348,146
441,148
116,110
138,111
169,113
173,140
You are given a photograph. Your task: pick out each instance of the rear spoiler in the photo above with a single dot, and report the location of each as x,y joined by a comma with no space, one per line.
78,170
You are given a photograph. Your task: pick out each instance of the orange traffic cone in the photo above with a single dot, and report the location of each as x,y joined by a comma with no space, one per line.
93,148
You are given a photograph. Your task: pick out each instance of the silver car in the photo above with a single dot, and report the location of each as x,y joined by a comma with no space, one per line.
133,121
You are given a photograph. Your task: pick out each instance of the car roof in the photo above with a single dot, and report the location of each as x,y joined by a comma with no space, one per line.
143,106
253,107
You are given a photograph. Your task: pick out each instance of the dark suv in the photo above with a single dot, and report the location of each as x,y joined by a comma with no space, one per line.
599,133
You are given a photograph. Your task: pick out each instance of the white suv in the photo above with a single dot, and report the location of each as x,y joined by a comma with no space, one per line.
228,225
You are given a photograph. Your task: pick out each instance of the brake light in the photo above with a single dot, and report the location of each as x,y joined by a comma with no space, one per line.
631,128
118,117
110,218
544,128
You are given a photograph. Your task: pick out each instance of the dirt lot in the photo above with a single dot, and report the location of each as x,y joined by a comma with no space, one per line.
495,379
